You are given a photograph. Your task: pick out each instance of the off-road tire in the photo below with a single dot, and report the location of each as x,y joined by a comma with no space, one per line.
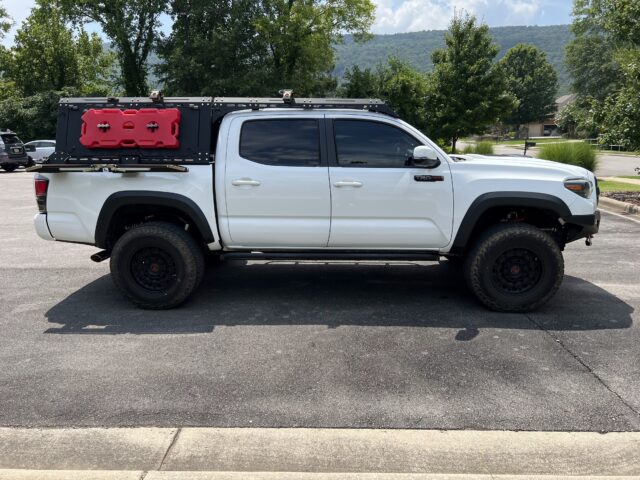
9,167
500,251
174,260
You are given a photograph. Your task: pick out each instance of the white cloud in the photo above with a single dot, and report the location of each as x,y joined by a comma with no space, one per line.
410,15
414,15
522,10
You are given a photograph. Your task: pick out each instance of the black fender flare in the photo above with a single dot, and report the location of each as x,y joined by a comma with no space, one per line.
174,201
490,200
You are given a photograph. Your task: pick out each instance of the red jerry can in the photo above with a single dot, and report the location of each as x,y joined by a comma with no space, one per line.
144,128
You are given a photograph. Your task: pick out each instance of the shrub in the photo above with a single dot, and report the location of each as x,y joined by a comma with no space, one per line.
481,148
484,148
469,148
573,153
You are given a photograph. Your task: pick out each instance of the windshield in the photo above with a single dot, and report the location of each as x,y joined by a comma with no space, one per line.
10,138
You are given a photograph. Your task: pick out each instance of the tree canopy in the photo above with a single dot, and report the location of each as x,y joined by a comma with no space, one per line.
49,55
604,60
5,21
397,83
532,82
236,47
468,88
132,26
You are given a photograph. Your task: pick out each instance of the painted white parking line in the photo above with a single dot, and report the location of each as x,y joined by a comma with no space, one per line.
626,217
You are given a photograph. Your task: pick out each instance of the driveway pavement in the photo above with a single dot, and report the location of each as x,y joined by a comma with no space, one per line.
314,344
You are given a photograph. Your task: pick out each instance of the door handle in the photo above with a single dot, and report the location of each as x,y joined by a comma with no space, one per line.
348,183
245,181
428,178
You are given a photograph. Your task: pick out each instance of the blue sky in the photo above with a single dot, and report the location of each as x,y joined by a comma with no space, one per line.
393,16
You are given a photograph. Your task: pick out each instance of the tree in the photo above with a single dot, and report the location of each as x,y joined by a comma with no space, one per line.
34,116
402,87
299,36
360,83
468,88
5,22
248,47
405,89
592,64
47,55
605,62
532,82
213,49
132,25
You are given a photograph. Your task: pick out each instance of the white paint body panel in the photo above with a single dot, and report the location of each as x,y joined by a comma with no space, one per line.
480,175
285,206
388,209
74,200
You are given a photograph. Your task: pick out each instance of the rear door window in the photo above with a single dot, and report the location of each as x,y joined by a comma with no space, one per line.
281,142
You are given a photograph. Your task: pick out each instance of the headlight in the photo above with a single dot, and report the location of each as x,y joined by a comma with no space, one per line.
579,186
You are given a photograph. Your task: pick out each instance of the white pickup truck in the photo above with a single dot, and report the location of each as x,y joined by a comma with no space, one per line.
158,184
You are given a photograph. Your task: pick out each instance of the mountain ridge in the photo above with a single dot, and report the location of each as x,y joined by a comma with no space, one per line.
416,48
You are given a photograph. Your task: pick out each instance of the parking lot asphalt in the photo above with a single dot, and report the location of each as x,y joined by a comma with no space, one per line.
314,344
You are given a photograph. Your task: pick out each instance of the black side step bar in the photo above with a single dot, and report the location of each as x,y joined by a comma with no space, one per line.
335,255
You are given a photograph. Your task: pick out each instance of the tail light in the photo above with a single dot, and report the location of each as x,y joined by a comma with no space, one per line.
41,185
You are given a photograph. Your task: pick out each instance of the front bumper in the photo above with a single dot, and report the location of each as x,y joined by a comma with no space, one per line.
582,226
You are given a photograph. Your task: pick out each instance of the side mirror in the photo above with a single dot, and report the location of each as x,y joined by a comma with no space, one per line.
425,157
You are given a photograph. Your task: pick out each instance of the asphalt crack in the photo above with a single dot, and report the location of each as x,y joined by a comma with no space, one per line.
584,364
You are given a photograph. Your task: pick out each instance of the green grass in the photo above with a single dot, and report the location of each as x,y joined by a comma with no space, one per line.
606,186
481,148
574,153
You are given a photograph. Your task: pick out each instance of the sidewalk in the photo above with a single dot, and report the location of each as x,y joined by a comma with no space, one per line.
259,453
632,181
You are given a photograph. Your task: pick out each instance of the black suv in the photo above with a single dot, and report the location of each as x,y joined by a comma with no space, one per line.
12,152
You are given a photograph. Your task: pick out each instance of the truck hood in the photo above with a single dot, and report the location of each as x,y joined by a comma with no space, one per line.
526,163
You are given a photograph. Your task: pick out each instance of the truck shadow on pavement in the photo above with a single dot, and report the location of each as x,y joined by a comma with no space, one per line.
333,294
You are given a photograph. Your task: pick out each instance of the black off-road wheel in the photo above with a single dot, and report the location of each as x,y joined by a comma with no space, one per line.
157,265
514,268
9,167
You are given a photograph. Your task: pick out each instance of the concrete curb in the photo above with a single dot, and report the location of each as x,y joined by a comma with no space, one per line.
160,451
618,206
155,475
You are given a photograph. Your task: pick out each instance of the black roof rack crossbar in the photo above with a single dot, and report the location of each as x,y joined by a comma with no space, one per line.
223,105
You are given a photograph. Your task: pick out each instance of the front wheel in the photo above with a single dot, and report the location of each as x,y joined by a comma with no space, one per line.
514,268
157,265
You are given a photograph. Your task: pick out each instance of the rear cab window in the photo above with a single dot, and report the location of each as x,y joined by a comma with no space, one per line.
281,142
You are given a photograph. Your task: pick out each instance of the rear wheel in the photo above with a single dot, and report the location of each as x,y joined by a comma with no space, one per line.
9,167
514,268
157,265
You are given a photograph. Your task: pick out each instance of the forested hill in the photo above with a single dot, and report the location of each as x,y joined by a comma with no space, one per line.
416,48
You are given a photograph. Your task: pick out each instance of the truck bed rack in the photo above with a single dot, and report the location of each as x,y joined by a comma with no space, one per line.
199,120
